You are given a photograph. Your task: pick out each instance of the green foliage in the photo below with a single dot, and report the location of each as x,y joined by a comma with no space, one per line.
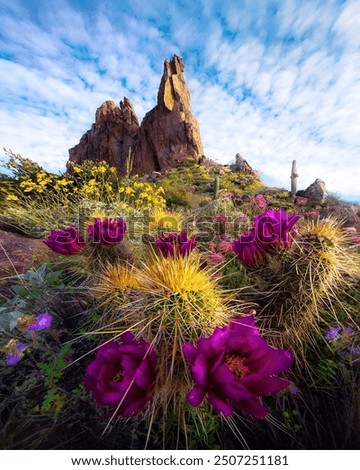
33,290
202,429
216,187
187,185
54,401
234,275
20,167
325,372
239,183
41,201
291,421
53,369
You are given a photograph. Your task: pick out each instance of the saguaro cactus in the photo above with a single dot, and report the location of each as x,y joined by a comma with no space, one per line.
293,177
129,163
216,187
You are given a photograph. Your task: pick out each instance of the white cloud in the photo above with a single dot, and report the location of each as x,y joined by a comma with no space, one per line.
272,84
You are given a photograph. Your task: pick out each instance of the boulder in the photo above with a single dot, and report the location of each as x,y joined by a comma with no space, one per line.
315,193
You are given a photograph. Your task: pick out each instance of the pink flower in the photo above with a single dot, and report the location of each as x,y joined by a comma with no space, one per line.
221,217
212,246
235,367
225,246
216,258
301,201
350,229
260,201
123,375
65,242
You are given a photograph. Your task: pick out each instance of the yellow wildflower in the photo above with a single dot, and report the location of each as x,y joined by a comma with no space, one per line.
11,197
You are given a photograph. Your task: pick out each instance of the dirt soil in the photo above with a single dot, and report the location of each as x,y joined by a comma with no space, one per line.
18,253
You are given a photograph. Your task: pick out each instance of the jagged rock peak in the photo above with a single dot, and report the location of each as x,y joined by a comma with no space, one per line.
173,87
114,132
168,133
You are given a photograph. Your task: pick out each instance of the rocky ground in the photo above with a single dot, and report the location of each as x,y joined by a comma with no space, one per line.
19,253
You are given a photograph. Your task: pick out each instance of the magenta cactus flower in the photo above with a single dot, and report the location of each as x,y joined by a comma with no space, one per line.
275,229
108,232
235,367
123,375
65,242
175,244
248,251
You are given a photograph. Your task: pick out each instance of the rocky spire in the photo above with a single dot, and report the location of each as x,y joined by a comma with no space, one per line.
168,133
115,130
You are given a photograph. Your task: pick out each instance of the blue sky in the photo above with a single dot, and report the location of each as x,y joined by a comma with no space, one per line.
272,80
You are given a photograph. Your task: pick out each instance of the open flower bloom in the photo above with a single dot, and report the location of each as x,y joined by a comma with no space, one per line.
15,351
42,322
175,244
34,323
108,232
247,250
123,375
275,228
234,367
65,242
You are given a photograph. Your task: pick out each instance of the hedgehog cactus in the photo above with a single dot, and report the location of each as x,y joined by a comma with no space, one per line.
309,275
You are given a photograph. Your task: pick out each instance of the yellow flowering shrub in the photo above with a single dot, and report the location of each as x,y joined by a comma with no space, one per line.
45,200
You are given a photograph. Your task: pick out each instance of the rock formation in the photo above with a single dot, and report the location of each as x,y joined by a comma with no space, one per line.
242,166
115,131
168,133
315,193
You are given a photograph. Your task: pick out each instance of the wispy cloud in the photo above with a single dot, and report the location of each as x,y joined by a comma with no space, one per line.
272,80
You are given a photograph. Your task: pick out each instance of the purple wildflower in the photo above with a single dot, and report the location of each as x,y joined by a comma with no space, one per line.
234,367
15,351
123,375
11,359
107,232
42,322
333,334
65,242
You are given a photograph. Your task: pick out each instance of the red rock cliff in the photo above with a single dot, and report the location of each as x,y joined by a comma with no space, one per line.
168,133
